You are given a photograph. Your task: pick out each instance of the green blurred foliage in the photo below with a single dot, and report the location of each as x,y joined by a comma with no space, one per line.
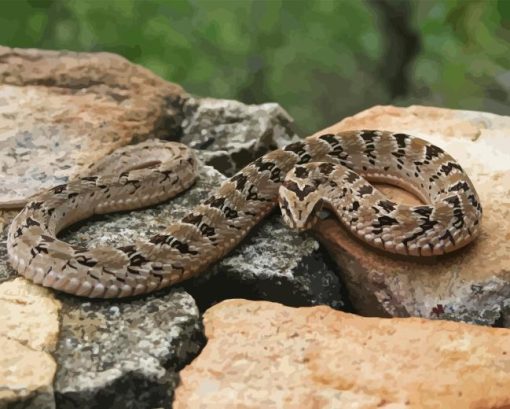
320,59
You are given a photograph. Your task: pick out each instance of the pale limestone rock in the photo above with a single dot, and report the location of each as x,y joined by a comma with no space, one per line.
28,332
265,355
29,314
23,371
472,284
60,111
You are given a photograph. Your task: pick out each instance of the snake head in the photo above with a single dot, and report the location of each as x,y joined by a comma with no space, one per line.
300,203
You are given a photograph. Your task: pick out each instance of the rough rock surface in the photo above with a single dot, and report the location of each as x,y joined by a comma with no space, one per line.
274,264
471,285
60,111
125,354
28,333
266,355
231,133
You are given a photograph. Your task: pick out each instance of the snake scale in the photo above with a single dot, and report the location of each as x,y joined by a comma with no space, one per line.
329,170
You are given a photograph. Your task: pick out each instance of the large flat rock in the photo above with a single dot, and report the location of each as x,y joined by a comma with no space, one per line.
60,111
472,284
266,355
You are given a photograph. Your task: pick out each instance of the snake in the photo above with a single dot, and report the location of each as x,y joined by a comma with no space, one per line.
331,171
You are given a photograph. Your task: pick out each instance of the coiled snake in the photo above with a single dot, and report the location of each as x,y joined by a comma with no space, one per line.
329,170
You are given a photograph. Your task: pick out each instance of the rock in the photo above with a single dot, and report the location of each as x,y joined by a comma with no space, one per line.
109,354
29,314
109,348
29,330
274,264
233,134
26,376
125,353
61,111
266,355
471,285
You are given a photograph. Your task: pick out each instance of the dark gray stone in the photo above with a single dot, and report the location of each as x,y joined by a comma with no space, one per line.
233,134
125,354
274,264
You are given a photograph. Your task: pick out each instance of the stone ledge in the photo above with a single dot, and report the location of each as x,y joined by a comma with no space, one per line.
472,284
72,109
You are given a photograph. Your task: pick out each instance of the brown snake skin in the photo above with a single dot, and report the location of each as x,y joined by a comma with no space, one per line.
321,171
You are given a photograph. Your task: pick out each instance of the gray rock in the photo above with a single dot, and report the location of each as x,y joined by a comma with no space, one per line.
125,354
231,133
275,264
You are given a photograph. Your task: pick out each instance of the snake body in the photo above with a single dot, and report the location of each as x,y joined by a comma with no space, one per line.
329,170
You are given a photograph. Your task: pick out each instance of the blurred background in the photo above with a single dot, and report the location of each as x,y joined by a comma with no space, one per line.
321,60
